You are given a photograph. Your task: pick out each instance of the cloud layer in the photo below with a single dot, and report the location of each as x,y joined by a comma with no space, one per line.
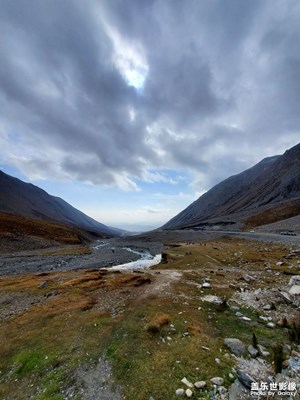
112,92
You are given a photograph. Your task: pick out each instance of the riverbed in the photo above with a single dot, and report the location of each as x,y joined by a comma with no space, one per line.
108,253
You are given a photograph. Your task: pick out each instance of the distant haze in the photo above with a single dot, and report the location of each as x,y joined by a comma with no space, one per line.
130,110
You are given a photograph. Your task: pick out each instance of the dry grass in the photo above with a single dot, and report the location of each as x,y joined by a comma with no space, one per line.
12,226
84,313
284,211
158,322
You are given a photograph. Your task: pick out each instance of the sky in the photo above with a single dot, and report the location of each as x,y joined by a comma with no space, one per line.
131,109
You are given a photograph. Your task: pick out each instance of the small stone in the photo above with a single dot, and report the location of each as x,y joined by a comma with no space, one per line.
179,392
222,390
187,382
263,318
244,378
271,325
246,319
206,285
205,348
200,384
295,289
43,285
295,280
279,263
262,350
188,393
169,338
249,278
230,375
217,360
217,381
239,314
252,351
235,345
267,307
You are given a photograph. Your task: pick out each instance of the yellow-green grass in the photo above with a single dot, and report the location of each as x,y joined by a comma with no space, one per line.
222,253
42,346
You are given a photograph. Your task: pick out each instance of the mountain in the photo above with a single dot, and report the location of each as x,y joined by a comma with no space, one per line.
27,200
265,193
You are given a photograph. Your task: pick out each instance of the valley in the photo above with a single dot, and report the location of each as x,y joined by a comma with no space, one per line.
72,328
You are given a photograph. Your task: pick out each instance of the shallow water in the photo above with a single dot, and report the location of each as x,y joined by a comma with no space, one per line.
142,263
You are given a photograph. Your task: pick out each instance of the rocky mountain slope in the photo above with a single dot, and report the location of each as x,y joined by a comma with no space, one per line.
272,184
27,200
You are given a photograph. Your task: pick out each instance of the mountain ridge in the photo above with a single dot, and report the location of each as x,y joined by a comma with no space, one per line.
272,181
25,199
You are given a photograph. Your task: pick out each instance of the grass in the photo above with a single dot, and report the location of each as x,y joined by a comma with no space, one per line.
152,338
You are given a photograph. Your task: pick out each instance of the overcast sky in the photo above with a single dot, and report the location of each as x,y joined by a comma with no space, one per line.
131,109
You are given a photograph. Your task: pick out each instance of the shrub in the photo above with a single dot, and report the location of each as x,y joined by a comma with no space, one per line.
278,358
254,340
294,329
158,322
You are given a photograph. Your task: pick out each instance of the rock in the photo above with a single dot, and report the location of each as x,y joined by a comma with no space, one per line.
244,378
235,345
206,285
285,297
262,350
279,263
295,289
188,393
239,314
222,390
187,382
248,278
217,360
246,319
200,384
295,280
237,391
43,285
215,300
217,381
263,318
230,375
179,392
252,351
267,307
271,325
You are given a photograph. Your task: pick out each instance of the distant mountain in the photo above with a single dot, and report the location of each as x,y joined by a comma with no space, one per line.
265,193
27,200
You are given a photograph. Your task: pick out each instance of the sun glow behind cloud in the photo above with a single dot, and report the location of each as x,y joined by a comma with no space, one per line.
129,59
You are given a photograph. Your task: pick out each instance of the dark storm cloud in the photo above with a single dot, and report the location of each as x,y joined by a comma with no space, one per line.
221,79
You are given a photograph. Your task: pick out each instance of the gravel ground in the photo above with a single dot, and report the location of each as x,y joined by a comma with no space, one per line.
111,252
105,253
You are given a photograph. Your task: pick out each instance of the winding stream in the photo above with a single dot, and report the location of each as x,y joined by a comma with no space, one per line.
146,260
